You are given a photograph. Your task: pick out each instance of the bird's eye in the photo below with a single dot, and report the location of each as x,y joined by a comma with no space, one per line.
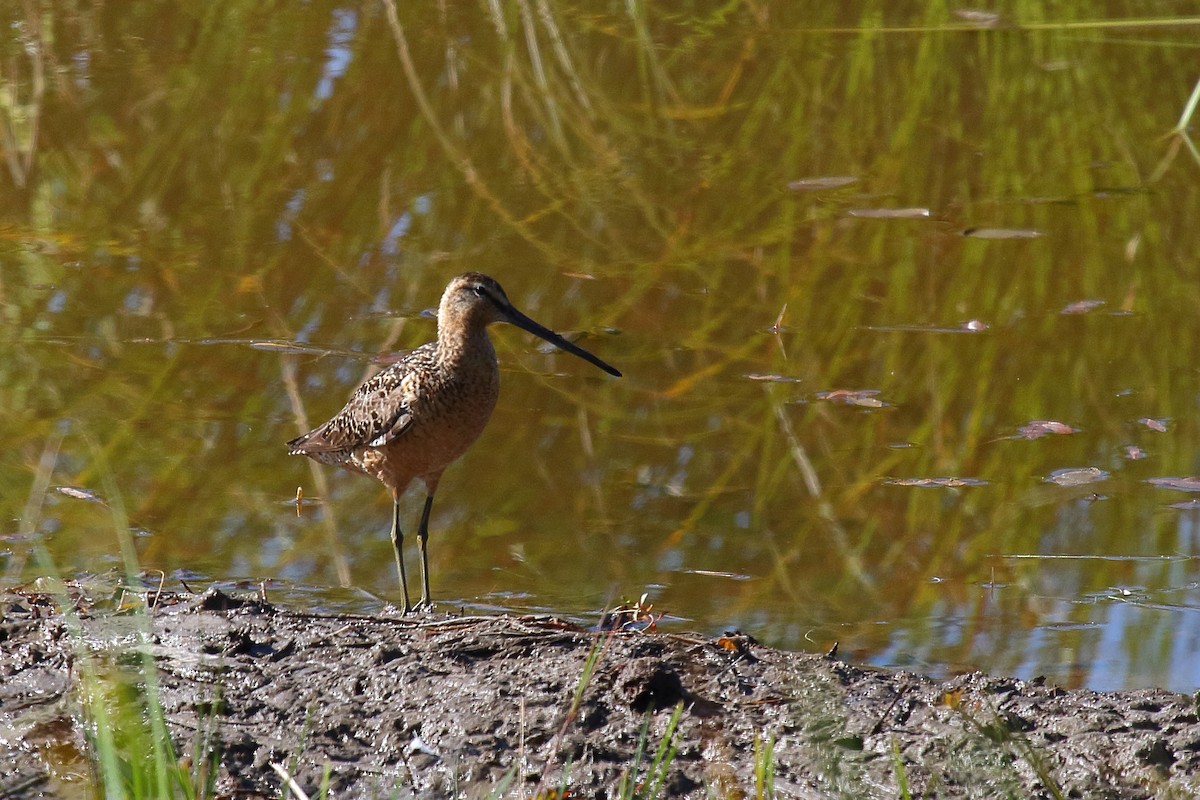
478,290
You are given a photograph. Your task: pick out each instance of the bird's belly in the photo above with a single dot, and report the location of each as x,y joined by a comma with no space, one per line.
436,438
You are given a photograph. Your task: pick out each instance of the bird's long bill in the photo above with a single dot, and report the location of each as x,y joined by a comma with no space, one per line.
525,323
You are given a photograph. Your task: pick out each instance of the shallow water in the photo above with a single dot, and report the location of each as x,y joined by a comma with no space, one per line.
905,302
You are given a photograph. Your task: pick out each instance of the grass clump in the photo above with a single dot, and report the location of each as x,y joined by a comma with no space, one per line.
128,750
654,783
128,747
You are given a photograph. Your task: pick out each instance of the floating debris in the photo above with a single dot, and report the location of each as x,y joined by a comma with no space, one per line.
1044,427
1159,425
979,18
864,398
1189,484
1186,505
889,213
949,482
1081,306
80,494
1076,476
713,573
1002,233
970,326
274,345
816,184
281,346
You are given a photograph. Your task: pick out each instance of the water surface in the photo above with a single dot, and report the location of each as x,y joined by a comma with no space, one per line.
905,300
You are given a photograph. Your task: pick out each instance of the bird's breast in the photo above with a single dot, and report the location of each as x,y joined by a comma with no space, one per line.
449,410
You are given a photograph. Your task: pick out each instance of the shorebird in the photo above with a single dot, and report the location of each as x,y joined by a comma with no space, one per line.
415,418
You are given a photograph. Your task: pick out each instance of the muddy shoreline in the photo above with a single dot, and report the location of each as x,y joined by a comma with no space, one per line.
510,706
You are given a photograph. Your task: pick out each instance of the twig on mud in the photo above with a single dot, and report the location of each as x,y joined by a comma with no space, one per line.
152,601
521,751
289,782
878,726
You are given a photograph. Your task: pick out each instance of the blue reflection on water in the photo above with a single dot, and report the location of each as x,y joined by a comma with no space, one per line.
338,54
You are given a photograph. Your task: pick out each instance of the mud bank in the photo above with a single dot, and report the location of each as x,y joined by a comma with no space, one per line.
506,706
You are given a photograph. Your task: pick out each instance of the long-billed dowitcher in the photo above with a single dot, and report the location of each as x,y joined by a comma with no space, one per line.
413,419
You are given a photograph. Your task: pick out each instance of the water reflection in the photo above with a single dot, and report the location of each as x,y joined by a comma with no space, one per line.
209,214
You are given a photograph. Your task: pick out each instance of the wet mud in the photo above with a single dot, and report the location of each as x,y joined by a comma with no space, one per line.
504,706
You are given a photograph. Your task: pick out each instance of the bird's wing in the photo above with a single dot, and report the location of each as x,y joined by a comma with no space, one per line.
378,411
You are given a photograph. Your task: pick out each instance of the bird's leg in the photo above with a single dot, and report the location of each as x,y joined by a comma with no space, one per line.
423,538
398,547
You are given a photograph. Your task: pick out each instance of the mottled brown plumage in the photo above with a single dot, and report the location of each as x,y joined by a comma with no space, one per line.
416,417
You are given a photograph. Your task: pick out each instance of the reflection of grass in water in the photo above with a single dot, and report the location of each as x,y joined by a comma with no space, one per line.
130,748
653,150
606,140
127,744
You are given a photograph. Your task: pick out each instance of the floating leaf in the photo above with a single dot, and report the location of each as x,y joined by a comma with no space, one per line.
79,494
1044,427
1186,505
713,573
978,18
814,184
944,482
889,213
1159,425
1081,306
1182,484
1076,476
865,398
1002,233
250,283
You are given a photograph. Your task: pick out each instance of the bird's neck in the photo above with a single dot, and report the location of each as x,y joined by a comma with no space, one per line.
464,346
